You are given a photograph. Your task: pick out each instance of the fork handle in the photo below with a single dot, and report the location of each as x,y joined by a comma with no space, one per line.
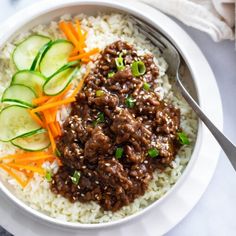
225,143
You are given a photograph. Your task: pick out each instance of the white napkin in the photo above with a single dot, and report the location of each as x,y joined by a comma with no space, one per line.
215,17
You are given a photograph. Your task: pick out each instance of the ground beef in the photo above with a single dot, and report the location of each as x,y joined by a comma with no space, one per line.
98,125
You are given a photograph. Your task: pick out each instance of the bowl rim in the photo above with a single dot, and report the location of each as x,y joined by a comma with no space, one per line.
43,9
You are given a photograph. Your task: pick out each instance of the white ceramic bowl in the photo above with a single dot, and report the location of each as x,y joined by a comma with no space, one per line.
186,192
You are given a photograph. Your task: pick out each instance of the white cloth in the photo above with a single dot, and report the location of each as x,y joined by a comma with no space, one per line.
215,17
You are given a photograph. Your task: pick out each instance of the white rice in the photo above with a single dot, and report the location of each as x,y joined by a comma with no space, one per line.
102,30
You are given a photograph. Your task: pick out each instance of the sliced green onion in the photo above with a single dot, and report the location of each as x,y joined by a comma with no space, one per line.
100,119
119,152
129,102
57,153
48,176
110,74
75,178
153,152
99,93
138,68
120,62
183,138
146,86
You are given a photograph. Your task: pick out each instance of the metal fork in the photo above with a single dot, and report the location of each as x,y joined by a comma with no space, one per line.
172,57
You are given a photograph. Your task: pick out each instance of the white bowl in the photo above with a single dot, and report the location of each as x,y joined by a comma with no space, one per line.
186,192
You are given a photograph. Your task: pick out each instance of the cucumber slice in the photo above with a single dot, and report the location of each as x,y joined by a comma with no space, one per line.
31,79
19,94
26,51
37,59
15,122
35,142
59,81
55,57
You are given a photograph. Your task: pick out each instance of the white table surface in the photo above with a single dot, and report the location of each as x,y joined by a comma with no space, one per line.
215,214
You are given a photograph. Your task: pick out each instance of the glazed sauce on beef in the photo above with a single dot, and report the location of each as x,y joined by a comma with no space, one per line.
89,143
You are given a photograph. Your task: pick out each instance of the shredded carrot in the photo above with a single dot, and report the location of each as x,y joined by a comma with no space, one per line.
53,129
25,167
28,175
40,100
67,31
79,48
78,38
82,45
23,155
28,180
73,30
58,128
85,59
80,84
74,52
48,116
53,143
60,96
13,175
33,158
39,163
53,113
78,29
78,88
82,38
86,54
36,118
26,164
8,157
54,104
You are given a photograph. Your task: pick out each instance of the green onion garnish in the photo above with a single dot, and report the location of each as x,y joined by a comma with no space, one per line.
75,178
99,93
100,119
110,74
129,102
120,62
146,86
119,152
57,153
183,138
138,68
48,176
153,152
